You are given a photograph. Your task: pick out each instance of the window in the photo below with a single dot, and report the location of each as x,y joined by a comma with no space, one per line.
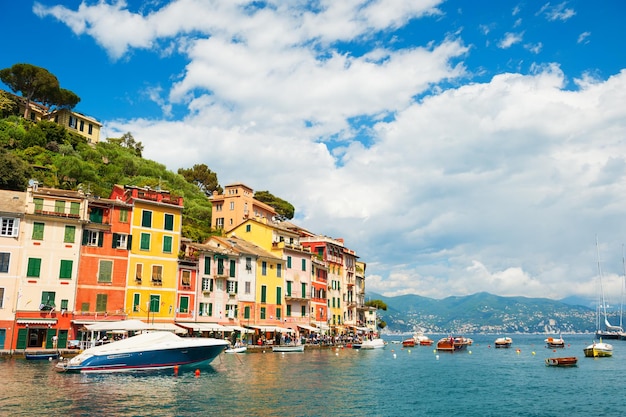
157,274
264,268
220,267
90,129
304,264
186,278
155,303
279,295
59,206
93,238
279,270
169,222
167,244
231,287
75,208
303,311
288,262
246,312
105,271
70,234
1,297
303,290
138,272
47,300
9,226
231,311
207,284
121,241
247,287
38,231
207,265
248,228
38,202
206,309
66,269
82,125
232,205
262,313
34,267
184,304
96,214
146,218
248,264
5,257
123,216
101,303
136,301
288,293
232,269
145,241
288,312
263,294
219,223
278,313
84,307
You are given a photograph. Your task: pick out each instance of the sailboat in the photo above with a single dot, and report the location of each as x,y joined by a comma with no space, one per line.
604,329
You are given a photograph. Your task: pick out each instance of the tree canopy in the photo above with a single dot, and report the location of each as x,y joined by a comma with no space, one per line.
282,207
39,85
202,177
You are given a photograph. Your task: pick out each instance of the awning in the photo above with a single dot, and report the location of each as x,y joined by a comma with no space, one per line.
272,329
170,327
238,329
37,321
203,327
309,328
127,325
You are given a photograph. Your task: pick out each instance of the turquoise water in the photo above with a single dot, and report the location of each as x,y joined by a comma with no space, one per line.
483,381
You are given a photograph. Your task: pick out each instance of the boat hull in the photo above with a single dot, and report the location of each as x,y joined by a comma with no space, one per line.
239,349
139,354
567,361
452,344
288,349
373,344
598,350
503,342
42,356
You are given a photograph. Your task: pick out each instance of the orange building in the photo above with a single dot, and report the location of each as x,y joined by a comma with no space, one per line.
106,241
235,206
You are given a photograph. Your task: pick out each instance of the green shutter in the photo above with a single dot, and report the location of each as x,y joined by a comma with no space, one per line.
169,222
34,267
167,244
279,293
21,338
303,290
38,204
66,269
146,218
288,288
288,261
246,312
129,242
114,240
136,300
59,206
70,234
101,303
105,272
100,239
207,265
232,269
75,208
288,310
211,285
145,241
263,294
38,231
210,309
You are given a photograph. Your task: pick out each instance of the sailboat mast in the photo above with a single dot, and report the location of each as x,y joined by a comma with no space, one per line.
600,280
621,306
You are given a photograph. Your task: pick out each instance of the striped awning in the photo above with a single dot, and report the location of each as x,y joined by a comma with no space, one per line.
37,321
309,328
203,327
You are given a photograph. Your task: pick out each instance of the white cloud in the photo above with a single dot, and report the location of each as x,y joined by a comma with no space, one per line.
510,39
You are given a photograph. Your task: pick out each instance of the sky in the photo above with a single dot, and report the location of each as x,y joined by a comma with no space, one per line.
457,146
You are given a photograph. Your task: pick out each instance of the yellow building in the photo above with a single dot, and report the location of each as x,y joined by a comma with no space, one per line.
153,257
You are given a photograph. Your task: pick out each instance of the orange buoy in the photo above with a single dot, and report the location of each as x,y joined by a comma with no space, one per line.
197,372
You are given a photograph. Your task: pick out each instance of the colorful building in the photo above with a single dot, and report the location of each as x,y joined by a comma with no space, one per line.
48,267
237,205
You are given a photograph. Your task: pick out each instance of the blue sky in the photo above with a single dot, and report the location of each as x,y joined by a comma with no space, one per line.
457,146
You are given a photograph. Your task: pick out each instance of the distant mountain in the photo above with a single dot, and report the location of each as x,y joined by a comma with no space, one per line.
487,313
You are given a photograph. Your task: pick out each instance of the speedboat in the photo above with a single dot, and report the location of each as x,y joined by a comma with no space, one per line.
146,351
553,342
566,361
237,349
503,342
598,350
373,344
453,343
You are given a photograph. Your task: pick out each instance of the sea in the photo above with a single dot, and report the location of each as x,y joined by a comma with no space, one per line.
395,381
